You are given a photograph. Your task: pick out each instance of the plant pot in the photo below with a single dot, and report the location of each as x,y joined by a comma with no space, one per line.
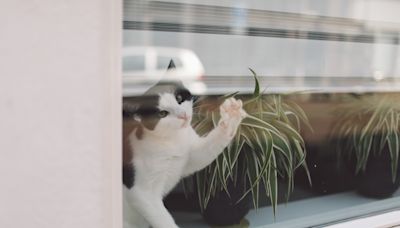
369,125
224,210
328,175
376,181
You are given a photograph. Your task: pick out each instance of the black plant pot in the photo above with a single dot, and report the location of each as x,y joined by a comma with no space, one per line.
224,209
376,181
328,175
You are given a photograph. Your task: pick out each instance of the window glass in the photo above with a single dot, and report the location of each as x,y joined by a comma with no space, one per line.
329,72
133,63
163,61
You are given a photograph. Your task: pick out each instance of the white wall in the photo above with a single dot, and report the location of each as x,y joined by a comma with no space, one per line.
60,113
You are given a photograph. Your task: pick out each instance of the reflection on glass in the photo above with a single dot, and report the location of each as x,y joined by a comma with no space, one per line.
154,60
338,61
133,63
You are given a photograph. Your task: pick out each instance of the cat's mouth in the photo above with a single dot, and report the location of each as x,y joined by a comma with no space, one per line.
185,119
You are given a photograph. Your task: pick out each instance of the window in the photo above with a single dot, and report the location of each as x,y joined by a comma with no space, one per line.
133,63
163,61
334,66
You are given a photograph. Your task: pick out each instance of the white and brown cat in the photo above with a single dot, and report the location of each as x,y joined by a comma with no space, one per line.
164,148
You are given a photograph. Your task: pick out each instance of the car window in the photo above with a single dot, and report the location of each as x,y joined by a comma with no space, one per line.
163,61
133,63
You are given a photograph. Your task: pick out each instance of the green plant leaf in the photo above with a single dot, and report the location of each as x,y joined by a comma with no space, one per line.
298,112
273,181
393,143
366,143
229,95
254,122
256,92
213,189
268,140
288,130
237,152
281,144
245,132
200,182
221,172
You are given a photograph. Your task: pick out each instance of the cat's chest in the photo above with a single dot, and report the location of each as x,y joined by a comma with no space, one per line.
177,145
162,158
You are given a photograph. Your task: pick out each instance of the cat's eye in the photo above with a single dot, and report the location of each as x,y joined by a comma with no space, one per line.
163,113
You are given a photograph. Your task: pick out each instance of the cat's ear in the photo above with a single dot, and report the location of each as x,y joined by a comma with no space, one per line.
171,65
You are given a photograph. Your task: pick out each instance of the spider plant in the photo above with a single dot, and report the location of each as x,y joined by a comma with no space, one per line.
368,125
267,143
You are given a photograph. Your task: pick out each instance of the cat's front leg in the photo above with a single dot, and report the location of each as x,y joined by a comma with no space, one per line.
151,208
132,219
232,113
206,149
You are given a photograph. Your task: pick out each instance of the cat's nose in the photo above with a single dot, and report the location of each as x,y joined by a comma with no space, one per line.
183,116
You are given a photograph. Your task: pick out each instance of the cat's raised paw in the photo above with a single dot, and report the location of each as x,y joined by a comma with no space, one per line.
232,114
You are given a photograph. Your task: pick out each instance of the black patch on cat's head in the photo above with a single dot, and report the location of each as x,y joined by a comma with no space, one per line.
148,112
128,111
182,94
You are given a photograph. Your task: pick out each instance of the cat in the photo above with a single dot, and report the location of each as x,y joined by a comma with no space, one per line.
164,148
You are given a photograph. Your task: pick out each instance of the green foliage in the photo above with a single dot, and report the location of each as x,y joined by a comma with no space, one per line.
369,124
256,92
267,142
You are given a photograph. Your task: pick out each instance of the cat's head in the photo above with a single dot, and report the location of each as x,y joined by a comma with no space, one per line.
165,107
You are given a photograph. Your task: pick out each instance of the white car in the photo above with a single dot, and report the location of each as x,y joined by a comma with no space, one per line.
145,66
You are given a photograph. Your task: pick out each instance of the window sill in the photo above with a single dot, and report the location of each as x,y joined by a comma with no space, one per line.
346,209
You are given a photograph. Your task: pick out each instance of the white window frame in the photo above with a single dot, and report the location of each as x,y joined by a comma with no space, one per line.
60,108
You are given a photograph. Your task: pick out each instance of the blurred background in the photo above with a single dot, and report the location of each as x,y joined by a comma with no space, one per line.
324,45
